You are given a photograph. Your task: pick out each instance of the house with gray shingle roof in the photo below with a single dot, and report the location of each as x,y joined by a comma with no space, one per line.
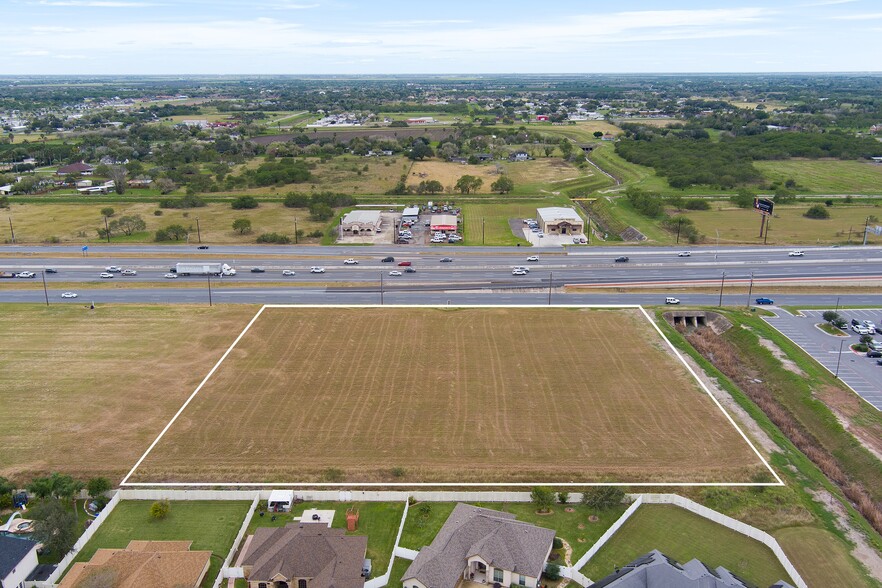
484,546
304,555
658,570
18,558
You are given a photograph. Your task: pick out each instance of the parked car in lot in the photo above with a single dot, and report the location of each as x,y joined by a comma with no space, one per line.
170,276
533,258
288,273
105,275
128,272
446,259
874,353
257,270
388,259
684,254
670,300
871,326
409,270
316,270
403,263
840,324
877,345
622,259
350,261
68,294
796,254
25,275
395,273
765,301
861,330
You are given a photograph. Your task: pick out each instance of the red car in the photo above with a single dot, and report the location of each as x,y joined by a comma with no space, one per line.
404,264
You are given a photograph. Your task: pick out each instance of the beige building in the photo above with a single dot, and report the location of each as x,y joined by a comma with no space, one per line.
361,221
557,220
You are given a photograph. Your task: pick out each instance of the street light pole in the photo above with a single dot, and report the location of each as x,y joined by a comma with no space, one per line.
295,230
750,289
11,230
209,289
839,359
106,229
198,231
837,304
482,230
722,283
45,291
550,282
381,288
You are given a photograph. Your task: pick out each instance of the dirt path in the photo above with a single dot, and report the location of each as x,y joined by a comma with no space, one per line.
568,554
863,551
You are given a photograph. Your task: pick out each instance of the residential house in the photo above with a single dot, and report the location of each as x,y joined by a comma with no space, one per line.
657,569
81,168
519,156
304,555
483,546
18,558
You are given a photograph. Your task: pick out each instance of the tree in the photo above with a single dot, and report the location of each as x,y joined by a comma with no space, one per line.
98,487
563,497
160,509
242,225
118,174
164,185
40,487
817,211
830,315
866,339
107,211
244,202
603,497
744,198
503,185
320,211
172,233
55,526
129,224
448,150
467,184
420,151
566,148
542,497
598,134
6,487
549,149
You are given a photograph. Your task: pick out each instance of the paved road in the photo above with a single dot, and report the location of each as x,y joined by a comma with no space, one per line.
859,372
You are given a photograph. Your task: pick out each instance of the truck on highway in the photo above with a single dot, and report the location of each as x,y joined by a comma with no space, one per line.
203,269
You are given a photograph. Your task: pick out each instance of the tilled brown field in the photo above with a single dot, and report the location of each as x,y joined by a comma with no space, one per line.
411,395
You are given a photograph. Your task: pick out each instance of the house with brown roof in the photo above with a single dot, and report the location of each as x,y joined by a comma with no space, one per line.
484,546
158,564
304,555
75,168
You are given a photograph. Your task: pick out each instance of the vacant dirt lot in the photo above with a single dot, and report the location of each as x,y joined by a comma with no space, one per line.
85,392
462,395
448,173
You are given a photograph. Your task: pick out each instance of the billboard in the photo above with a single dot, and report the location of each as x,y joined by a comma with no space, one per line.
763,205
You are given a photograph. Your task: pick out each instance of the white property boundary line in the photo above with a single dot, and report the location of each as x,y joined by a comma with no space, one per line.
125,481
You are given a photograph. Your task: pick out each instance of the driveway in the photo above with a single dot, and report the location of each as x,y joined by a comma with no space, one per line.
859,372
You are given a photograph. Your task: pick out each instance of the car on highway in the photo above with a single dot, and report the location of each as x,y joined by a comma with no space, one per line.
114,269
622,259
796,254
446,259
684,254
765,301
521,267
51,270
68,294
288,273
350,261
533,258
105,275
170,276
409,270
128,272
25,275
388,259
518,272
395,273
404,263
202,247
670,300
258,270
316,270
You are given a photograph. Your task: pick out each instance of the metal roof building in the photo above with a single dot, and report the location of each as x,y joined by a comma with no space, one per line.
361,221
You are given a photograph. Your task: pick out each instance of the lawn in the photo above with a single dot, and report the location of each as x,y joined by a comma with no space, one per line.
825,176
96,387
821,558
378,520
682,535
398,569
420,530
488,224
210,525
323,400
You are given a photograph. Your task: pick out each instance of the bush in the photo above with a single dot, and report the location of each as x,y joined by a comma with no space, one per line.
603,497
244,202
316,234
188,201
160,509
274,238
697,205
818,211
552,571
563,497
830,315
157,213
557,543
542,497
398,472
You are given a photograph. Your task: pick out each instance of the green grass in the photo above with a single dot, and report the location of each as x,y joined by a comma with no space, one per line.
496,230
682,535
398,569
210,525
420,531
822,558
831,330
825,176
378,520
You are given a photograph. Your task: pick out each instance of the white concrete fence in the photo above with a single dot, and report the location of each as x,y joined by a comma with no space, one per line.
236,542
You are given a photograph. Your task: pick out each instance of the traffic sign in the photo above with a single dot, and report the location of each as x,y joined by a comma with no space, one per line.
763,205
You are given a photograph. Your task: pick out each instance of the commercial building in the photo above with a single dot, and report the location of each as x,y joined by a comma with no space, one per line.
557,220
361,221
445,223
411,213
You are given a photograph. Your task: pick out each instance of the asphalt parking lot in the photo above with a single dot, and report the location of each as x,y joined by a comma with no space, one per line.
859,372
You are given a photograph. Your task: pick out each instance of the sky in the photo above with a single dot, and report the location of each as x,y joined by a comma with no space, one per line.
307,37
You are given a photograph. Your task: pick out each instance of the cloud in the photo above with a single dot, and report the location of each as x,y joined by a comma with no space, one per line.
420,23
97,3
290,6
826,3
30,53
871,16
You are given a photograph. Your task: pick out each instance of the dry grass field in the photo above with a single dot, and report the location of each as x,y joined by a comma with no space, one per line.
84,392
448,173
454,395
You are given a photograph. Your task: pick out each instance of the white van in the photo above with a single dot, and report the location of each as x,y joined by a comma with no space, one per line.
670,300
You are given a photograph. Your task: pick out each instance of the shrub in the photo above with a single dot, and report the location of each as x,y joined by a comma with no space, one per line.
398,472
157,212
697,205
333,475
563,497
552,571
244,202
830,315
603,497
274,238
557,543
818,211
316,234
160,509
542,497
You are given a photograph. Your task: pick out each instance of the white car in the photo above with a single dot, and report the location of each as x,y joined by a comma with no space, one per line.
518,272
114,269
395,273
350,261
105,275
25,275
533,258
316,270
521,268
129,272
288,273
170,276
68,294
684,254
796,254
670,300
861,330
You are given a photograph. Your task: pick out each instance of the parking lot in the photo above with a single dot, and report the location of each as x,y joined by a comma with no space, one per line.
859,372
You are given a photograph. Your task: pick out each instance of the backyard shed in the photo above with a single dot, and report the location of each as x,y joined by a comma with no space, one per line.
280,500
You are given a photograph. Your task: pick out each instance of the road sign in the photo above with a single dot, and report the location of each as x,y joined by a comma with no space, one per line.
763,205
877,230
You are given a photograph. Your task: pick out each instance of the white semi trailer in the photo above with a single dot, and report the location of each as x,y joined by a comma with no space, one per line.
204,269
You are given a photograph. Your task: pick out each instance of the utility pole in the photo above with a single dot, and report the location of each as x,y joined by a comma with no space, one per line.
198,232
866,229
482,230
588,233
106,230
209,289
295,230
45,291
722,283
550,282
11,230
381,288
750,289
837,304
680,222
768,226
839,359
